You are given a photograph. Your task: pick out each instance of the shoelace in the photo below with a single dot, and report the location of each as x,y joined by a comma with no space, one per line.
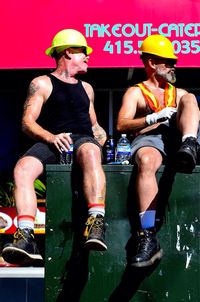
19,234
90,220
88,224
143,244
94,223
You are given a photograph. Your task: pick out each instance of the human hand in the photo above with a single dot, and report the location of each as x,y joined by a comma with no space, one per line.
161,116
62,141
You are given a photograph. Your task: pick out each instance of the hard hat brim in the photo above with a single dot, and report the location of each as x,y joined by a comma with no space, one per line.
49,51
170,56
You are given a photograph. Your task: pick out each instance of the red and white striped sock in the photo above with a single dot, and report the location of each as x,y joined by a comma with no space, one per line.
96,209
25,221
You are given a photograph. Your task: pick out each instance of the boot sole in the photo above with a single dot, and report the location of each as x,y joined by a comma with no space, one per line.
151,261
95,244
14,255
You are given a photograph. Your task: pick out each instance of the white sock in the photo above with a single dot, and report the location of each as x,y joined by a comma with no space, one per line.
25,224
188,135
147,219
94,211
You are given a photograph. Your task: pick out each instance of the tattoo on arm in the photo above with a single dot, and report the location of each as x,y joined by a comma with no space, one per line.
31,91
99,132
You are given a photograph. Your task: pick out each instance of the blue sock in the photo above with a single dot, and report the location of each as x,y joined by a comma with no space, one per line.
147,219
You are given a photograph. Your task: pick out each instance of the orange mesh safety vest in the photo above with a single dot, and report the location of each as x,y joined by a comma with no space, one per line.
169,97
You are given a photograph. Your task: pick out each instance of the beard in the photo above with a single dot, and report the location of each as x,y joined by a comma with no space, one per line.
168,77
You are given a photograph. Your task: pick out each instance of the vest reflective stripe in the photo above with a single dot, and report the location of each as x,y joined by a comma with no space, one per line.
169,97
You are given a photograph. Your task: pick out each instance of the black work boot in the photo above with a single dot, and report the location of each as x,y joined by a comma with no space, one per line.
186,157
148,249
95,233
23,251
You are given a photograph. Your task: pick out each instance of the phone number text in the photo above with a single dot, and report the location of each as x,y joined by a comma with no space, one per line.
127,47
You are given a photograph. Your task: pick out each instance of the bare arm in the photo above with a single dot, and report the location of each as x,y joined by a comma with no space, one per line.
99,134
38,92
132,102
98,131
32,108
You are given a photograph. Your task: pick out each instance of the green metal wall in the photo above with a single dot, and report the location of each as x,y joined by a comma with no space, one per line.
72,274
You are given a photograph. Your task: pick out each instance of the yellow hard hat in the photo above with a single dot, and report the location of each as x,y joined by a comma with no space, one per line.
158,45
67,38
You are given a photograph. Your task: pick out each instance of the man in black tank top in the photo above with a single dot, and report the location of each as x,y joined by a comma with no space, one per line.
58,112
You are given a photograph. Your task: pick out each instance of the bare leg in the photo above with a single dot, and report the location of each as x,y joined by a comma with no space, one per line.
23,250
26,171
188,123
148,160
148,248
94,184
188,115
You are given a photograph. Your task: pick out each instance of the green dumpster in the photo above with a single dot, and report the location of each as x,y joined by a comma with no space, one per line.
73,274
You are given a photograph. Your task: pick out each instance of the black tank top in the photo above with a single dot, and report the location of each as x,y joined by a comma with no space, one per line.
67,109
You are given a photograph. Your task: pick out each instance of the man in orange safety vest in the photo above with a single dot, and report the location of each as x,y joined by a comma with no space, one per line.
165,122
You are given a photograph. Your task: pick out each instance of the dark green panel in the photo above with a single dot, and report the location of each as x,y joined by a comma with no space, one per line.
75,275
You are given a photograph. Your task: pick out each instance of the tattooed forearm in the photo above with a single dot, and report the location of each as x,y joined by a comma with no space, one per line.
99,133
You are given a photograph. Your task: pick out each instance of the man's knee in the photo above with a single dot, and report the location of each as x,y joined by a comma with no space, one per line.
149,161
27,168
188,99
88,150
89,154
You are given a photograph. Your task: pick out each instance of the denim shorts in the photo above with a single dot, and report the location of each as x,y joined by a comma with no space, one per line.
49,154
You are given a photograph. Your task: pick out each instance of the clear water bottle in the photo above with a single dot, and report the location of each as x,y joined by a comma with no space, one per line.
110,150
123,150
66,157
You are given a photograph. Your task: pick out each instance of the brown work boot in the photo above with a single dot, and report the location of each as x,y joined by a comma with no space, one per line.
23,251
95,233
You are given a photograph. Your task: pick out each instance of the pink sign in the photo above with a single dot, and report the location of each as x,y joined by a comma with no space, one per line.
114,29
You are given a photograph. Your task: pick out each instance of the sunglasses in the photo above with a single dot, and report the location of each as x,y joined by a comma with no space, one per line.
79,50
169,62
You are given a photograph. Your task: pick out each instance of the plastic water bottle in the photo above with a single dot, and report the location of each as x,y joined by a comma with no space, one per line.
110,150
66,157
123,150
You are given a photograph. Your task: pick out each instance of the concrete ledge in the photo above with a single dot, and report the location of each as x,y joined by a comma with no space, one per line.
21,272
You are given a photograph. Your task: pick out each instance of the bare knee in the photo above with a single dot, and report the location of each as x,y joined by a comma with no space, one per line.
27,170
188,100
149,162
89,154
